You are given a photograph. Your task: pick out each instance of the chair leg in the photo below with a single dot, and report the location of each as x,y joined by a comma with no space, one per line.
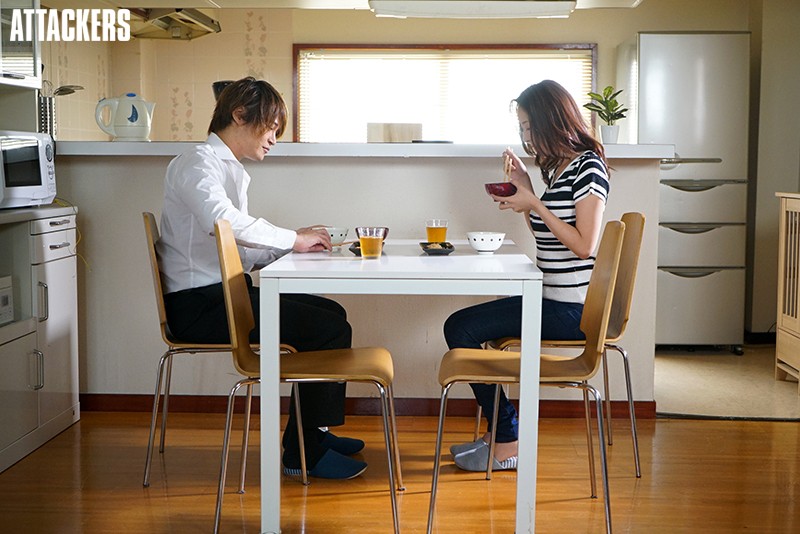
245,436
437,455
165,405
603,457
478,414
631,408
225,447
492,439
590,442
156,398
300,435
607,393
391,457
398,468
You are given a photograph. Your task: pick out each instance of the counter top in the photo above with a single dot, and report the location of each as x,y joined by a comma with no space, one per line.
14,215
374,150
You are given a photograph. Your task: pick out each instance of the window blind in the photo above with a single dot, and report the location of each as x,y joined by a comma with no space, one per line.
459,95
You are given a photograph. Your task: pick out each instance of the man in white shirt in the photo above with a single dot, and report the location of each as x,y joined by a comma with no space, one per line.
207,183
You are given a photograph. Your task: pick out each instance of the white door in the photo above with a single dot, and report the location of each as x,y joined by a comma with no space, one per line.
694,93
55,283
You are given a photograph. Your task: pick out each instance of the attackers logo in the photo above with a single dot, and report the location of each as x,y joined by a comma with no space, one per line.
70,25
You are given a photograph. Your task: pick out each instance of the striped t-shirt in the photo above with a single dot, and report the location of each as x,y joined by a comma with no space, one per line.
565,275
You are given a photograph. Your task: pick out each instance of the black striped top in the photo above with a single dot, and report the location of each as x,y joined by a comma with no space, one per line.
565,275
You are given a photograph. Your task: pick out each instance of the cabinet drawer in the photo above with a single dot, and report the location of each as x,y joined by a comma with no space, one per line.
700,307
698,201
53,245
701,244
53,224
787,348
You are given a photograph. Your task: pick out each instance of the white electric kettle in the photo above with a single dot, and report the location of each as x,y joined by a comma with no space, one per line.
130,117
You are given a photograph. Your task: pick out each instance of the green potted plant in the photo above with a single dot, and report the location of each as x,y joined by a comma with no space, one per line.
610,110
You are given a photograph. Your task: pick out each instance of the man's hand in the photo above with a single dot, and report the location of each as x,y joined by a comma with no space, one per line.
312,239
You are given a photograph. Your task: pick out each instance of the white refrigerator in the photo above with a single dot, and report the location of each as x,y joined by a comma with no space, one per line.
692,90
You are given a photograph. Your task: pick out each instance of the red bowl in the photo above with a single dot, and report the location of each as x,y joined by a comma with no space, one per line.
501,189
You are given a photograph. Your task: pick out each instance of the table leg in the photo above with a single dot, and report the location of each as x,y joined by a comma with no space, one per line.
270,414
529,406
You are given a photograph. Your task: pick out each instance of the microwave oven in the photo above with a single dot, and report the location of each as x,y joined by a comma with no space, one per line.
27,169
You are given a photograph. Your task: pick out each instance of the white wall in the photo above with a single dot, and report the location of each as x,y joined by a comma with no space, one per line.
778,151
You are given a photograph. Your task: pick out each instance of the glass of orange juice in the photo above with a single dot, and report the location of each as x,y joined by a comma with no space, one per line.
437,230
371,240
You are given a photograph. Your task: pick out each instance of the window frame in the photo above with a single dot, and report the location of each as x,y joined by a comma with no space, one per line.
297,48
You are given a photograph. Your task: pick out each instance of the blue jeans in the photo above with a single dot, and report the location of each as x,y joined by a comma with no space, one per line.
471,327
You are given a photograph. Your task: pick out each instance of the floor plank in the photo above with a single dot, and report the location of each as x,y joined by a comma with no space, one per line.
698,476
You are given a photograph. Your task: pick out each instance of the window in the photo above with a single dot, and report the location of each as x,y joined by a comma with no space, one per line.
458,94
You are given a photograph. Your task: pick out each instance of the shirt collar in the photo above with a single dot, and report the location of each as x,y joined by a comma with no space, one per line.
222,150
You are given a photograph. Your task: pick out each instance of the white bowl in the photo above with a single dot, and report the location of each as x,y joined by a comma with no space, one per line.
485,242
338,235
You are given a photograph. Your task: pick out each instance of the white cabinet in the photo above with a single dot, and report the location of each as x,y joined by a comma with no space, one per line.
20,60
39,349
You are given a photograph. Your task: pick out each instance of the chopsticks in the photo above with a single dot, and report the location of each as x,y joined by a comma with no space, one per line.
507,168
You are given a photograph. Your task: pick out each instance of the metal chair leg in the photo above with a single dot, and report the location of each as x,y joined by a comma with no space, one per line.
225,447
437,456
165,404
300,434
390,453
156,397
603,456
631,408
590,442
493,438
245,437
398,468
607,393
478,414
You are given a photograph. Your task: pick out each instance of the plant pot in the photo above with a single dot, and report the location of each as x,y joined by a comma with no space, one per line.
609,134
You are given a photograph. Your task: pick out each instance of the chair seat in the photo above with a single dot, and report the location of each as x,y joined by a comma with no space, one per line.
363,364
472,365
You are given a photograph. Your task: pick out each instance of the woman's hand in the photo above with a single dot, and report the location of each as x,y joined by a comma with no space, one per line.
524,199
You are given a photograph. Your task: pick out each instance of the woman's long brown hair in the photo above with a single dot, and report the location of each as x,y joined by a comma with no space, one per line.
557,127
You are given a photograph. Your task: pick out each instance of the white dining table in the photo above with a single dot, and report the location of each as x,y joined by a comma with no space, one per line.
402,270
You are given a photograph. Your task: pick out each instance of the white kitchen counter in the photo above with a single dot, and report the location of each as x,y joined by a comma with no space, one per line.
374,150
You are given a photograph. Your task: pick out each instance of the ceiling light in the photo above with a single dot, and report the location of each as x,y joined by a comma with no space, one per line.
472,9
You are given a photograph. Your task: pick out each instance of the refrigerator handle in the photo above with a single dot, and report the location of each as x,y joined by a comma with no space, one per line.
678,161
689,273
685,228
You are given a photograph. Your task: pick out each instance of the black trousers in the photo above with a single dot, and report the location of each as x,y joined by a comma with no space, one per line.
308,322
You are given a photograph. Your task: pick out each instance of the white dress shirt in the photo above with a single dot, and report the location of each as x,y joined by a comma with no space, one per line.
202,185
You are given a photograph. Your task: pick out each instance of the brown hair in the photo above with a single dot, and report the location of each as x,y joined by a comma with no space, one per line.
263,106
557,126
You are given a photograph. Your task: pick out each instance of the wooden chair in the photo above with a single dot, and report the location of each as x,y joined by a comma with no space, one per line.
502,367
176,346
370,365
620,313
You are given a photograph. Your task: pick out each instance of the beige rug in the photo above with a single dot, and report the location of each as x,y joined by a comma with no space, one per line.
723,385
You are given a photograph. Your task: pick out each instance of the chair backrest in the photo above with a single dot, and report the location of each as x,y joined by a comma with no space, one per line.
599,295
626,277
152,235
237,300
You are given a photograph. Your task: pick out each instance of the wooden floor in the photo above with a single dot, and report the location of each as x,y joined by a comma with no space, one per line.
698,476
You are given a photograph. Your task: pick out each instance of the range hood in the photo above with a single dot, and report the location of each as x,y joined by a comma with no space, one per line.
473,9
183,24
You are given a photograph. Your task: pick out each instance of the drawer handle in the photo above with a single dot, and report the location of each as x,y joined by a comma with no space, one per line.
39,371
683,228
678,161
60,245
694,187
46,302
685,273
59,223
